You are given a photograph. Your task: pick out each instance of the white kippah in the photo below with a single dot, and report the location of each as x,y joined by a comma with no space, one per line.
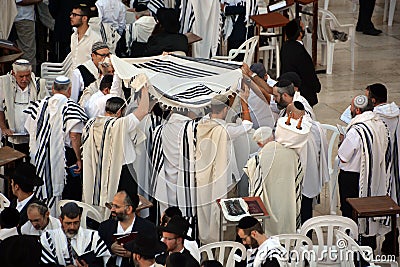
62,80
361,101
262,134
22,62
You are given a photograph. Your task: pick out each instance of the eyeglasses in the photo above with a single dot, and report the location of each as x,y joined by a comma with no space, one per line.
75,14
102,55
169,238
111,205
244,238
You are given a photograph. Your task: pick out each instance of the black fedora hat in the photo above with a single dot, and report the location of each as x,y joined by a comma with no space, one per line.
146,245
177,225
25,173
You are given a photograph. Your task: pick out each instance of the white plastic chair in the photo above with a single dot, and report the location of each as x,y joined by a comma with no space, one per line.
4,202
270,50
220,248
390,6
332,167
324,226
247,48
88,211
328,21
50,70
295,243
366,252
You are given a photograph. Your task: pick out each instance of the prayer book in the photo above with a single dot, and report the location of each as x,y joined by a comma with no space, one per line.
255,206
89,257
277,6
234,209
124,238
341,129
346,115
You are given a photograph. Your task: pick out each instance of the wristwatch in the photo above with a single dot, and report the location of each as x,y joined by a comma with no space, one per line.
253,75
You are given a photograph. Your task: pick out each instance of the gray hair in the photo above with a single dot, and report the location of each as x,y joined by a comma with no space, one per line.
61,87
289,89
16,67
42,209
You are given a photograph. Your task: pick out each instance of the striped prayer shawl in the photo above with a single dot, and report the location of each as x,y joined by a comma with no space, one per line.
54,246
251,255
187,17
48,142
154,5
186,197
375,163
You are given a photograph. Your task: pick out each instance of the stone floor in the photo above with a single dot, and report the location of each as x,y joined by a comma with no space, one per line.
377,59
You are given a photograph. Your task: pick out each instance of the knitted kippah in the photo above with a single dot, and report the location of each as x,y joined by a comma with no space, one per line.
361,101
22,62
219,100
247,222
62,80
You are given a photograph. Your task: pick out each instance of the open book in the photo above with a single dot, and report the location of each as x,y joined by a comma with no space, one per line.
124,238
234,209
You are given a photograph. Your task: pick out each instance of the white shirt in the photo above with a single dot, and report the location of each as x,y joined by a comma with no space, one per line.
350,152
25,12
77,84
120,230
21,102
81,50
112,11
28,229
96,105
21,204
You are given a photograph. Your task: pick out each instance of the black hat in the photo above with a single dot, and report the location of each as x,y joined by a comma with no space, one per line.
291,77
247,222
25,173
283,83
146,245
141,8
177,225
259,69
20,251
293,29
9,218
169,20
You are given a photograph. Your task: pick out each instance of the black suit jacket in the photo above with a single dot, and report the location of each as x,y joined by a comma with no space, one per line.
190,260
109,227
294,57
23,216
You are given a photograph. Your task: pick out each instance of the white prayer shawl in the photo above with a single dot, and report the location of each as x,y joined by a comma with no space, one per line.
8,14
276,168
109,34
107,145
9,85
179,82
28,229
270,248
203,19
142,29
55,249
374,169
314,159
216,173
8,232
260,112
49,122
390,114
175,183
142,164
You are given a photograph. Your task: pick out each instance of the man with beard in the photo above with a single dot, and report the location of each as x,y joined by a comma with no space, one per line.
263,251
39,219
364,163
123,221
283,92
294,57
64,245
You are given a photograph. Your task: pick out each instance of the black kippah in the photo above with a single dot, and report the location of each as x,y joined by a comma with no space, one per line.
298,105
283,83
247,222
